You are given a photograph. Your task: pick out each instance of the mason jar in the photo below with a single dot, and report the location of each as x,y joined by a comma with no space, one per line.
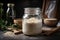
32,21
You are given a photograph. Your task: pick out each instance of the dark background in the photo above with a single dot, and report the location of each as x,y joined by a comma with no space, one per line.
20,5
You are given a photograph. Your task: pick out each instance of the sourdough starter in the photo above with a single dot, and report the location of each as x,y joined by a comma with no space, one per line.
32,26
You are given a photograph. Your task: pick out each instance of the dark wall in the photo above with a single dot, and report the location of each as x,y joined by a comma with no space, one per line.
21,4
58,9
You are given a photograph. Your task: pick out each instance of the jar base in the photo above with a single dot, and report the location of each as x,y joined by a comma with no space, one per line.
33,35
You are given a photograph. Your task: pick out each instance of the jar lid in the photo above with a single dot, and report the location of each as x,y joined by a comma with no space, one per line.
32,10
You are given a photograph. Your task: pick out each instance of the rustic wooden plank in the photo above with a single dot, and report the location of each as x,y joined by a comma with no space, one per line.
49,30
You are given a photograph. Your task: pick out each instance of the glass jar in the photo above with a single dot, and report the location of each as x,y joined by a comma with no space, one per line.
10,14
32,21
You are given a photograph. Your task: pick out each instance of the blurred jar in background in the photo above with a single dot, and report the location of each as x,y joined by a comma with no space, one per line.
10,14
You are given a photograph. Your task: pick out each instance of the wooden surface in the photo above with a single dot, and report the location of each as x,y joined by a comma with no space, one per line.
8,35
11,36
45,30
49,31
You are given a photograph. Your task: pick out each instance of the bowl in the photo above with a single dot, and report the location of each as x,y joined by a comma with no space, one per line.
50,21
18,22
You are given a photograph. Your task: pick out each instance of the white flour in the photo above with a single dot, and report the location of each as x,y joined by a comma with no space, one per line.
32,26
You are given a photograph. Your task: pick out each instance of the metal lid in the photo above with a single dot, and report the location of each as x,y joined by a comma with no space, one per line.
32,10
10,4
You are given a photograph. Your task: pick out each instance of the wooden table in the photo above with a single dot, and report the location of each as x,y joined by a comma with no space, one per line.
8,35
11,36
46,30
